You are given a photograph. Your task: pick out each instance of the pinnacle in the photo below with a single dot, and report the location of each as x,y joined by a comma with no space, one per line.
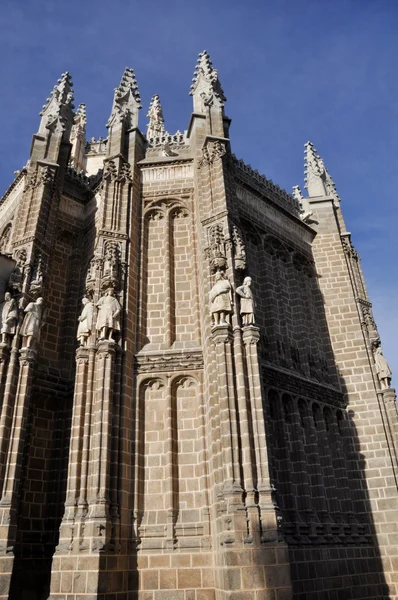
62,93
297,193
311,158
154,103
129,82
81,114
156,119
204,67
314,163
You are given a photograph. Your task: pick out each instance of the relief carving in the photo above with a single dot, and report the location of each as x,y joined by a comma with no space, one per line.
212,152
216,250
239,249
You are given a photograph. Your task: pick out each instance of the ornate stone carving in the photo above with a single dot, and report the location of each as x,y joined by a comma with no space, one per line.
5,238
169,362
216,250
244,173
9,318
111,265
46,175
31,180
85,322
299,386
220,299
348,247
94,266
368,321
32,323
246,302
110,171
305,209
383,370
36,282
16,278
212,152
156,120
125,173
239,249
109,310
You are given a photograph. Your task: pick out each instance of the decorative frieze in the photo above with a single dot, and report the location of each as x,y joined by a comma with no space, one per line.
160,362
167,172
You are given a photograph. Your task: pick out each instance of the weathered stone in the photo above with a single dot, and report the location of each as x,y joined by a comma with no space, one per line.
201,454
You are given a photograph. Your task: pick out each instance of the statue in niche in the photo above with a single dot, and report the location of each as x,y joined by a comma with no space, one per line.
383,370
246,302
108,315
9,318
85,322
32,323
220,299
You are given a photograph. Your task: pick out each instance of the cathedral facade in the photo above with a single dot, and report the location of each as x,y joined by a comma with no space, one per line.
194,400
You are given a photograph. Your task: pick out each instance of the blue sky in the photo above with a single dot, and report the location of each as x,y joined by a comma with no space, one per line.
292,70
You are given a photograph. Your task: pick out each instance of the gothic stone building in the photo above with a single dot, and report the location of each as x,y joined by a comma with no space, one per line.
186,448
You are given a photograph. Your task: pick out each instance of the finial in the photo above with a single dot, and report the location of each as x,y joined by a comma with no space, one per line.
81,115
317,178
206,87
126,100
156,120
57,112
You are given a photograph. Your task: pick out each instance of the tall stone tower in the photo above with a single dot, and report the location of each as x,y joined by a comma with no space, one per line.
194,400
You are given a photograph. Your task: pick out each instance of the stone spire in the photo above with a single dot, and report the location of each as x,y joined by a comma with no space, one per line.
126,101
57,113
156,120
78,137
206,87
317,179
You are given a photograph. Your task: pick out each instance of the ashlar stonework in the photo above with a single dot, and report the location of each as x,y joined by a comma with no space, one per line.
194,400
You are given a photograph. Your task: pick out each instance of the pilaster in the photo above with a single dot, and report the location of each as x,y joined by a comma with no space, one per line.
13,464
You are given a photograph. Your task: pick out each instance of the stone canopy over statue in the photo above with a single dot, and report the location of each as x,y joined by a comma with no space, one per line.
109,310
220,299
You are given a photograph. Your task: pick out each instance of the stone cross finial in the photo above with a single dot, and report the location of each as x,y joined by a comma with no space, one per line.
156,120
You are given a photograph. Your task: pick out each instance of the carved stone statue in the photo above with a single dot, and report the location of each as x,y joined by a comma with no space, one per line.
108,315
85,322
32,323
9,318
220,299
382,368
246,302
